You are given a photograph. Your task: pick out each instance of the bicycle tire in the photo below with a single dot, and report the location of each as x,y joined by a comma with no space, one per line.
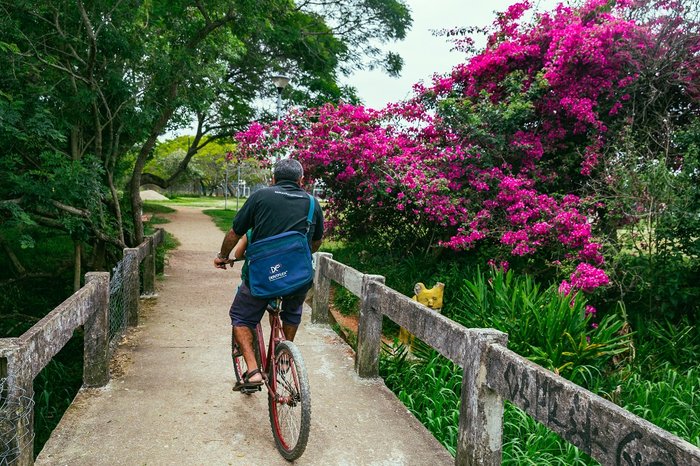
239,365
290,405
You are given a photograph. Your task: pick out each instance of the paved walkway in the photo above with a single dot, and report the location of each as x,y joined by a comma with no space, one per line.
170,400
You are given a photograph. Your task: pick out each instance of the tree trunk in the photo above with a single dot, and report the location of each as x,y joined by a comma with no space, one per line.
135,198
74,147
75,154
76,269
170,105
117,207
98,260
135,184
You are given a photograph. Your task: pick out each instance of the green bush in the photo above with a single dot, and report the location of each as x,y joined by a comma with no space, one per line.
546,327
526,441
659,286
670,400
664,344
429,387
661,384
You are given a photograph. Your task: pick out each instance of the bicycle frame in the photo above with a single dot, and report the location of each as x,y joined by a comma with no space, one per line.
267,353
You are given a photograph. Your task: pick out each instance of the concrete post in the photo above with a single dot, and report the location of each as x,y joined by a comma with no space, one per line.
369,332
322,290
16,405
131,284
481,412
149,268
96,339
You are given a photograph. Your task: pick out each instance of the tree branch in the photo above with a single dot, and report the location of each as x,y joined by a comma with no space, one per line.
53,223
71,210
93,40
13,258
11,201
65,266
210,27
202,10
148,178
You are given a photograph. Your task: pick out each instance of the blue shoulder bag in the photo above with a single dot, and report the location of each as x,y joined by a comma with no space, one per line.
280,264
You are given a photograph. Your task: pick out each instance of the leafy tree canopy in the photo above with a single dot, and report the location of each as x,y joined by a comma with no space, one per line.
92,85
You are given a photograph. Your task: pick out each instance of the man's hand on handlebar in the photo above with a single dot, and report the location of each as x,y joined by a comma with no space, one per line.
220,263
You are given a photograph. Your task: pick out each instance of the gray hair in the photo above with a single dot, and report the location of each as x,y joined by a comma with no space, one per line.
288,169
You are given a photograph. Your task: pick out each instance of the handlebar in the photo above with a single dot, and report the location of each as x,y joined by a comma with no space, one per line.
222,265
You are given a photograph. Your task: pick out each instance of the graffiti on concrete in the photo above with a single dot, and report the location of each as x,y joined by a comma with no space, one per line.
630,452
577,416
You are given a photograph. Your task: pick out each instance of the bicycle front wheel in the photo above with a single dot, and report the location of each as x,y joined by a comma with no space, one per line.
290,401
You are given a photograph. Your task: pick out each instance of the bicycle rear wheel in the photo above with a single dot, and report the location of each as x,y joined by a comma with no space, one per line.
290,401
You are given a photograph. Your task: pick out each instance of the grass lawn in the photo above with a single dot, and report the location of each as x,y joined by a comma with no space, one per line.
155,207
196,201
215,209
222,218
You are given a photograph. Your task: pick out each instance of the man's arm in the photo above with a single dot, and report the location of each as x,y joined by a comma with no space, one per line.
240,247
315,245
227,245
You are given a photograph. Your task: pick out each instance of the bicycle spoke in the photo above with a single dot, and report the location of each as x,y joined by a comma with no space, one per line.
290,383
289,422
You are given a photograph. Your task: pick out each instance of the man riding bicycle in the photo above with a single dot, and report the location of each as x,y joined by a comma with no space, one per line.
270,211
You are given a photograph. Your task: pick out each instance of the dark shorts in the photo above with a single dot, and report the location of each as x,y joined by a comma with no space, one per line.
248,310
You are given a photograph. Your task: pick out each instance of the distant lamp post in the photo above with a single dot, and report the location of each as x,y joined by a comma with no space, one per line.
229,156
238,186
280,83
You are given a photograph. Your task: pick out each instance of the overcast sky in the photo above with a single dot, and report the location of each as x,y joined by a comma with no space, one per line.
425,54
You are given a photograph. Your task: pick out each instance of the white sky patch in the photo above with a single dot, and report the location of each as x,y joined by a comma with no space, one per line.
423,53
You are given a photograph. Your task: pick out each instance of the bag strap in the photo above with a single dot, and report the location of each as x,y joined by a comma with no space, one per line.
310,215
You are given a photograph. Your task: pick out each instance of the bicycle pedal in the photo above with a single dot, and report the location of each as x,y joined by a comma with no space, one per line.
250,390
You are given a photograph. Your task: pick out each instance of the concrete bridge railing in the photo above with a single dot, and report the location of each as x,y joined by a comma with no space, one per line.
492,374
23,358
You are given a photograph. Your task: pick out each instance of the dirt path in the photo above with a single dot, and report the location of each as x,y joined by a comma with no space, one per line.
170,400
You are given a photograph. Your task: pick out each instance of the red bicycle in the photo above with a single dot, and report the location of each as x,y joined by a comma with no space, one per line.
284,375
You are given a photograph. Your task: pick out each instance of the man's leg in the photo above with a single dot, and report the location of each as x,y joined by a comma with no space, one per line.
289,331
291,313
246,312
244,338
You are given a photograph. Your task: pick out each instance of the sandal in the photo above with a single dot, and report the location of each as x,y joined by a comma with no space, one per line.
246,383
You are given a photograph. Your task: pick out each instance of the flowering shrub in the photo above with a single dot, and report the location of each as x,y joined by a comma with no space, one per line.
492,153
